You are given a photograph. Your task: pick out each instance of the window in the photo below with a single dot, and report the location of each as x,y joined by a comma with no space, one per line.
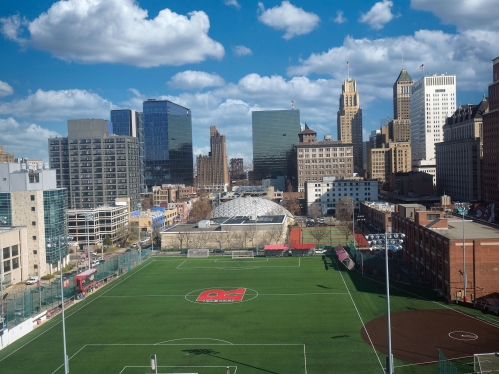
33,223
32,197
35,266
34,237
15,263
35,252
32,208
6,252
15,250
6,266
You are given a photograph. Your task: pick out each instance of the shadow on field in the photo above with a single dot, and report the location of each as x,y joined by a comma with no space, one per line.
211,352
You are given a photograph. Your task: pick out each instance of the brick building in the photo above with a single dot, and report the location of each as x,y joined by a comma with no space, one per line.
434,252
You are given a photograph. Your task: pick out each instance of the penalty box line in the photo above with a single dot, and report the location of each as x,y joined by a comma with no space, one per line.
194,344
182,267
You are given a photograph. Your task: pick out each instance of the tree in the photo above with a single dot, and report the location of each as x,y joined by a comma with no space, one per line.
344,209
107,241
318,234
315,211
126,233
293,206
201,210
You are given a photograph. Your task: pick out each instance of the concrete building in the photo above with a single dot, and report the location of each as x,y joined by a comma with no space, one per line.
400,126
89,227
434,253
433,99
94,166
275,133
459,156
490,180
389,159
213,170
14,256
330,190
318,159
149,221
413,183
5,156
349,120
30,198
236,169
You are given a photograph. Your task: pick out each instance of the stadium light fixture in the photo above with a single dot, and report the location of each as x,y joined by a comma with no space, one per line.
463,208
383,241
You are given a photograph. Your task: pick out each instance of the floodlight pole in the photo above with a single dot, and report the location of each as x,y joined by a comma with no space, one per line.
139,206
66,361
389,358
88,217
256,226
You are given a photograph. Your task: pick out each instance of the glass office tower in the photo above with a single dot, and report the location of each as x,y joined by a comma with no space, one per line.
167,143
274,134
55,207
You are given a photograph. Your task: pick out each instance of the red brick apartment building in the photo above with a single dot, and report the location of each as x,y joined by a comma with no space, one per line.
434,252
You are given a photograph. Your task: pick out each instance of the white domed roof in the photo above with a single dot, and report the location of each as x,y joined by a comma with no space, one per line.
248,206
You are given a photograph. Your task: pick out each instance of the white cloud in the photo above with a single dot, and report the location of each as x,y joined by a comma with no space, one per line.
11,26
25,139
118,31
294,20
375,63
233,3
5,89
465,14
195,80
339,17
58,106
241,50
379,15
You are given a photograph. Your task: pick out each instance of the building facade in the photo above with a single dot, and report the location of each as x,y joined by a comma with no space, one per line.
433,99
14,264
400,126
5,156
167,143
490,186
213,170
434,254
236,169
318,159
275,133
94,166
30,198
459,156
349,120
330,190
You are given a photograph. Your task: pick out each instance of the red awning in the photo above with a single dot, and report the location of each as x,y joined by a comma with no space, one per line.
275,247
86,273
302,247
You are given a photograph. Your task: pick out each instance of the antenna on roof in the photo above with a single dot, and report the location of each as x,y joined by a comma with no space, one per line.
292,105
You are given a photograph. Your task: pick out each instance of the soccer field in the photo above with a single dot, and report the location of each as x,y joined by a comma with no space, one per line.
276,315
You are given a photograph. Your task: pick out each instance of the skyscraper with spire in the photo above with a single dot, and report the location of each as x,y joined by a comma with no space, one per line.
400,127
349,120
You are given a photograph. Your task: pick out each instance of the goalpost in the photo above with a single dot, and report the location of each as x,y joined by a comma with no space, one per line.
486,363
198,253
243,254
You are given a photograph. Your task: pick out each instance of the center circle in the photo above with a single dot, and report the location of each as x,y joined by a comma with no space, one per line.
463,335
221,295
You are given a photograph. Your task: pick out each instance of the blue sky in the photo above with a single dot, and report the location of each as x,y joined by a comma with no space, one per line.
224,58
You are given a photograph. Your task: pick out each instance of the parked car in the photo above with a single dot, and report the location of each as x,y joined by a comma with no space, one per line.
36,289
95,263
19,312
33,279
320,251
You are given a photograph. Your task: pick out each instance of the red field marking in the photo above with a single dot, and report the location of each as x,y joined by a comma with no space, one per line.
221,296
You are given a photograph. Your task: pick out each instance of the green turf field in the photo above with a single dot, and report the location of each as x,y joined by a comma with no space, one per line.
295,317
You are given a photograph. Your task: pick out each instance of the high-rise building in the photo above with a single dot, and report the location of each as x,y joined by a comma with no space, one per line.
349,120
275,133
94,166
236,169
128,122
490,186
29,197
400,126
167,143
319,159
459,157
212,170
5,156
433,99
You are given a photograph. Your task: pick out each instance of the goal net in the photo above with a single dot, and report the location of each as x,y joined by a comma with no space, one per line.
243,254
486,363
198,253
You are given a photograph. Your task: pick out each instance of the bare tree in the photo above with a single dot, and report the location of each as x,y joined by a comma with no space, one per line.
315,210
344,209
345,231
275,234
293,206
318,234
201,209
126,233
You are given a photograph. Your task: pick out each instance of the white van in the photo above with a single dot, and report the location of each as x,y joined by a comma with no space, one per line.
32,280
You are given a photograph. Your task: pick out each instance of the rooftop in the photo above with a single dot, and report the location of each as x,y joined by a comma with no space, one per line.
472,230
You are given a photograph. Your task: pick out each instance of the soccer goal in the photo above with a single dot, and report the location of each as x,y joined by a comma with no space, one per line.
486,363
198,253
243,254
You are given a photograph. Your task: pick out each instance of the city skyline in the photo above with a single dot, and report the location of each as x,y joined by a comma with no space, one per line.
275,52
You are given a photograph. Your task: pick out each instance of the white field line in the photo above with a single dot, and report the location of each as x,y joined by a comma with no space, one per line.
73,310
442,305
260,294
161,366
305,358
363,324
181,264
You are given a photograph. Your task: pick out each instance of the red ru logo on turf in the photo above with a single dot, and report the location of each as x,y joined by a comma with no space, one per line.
221,296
